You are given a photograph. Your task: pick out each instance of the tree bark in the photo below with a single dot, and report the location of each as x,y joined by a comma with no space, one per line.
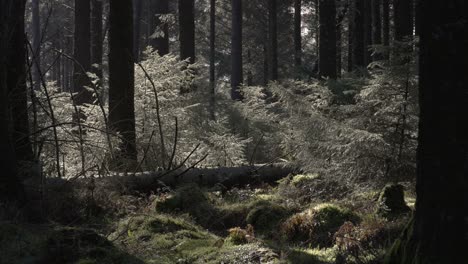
137,9
273,39
187,30
376,26
121,80
161,41
298,33
403,19
439,231
212,58
16,82
82,52
359,50
226,176
236,50
11,30
97,37
327,46
367,32
417,18
36,44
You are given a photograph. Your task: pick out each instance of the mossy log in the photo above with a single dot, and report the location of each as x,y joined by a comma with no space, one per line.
226,177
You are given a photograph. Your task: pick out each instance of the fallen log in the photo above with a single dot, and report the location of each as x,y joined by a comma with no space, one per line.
224,176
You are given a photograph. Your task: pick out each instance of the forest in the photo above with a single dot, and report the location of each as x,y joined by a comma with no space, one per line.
233,131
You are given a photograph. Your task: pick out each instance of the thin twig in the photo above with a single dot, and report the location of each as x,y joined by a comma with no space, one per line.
158,115
176,135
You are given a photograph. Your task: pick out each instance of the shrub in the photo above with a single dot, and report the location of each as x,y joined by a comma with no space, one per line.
316,226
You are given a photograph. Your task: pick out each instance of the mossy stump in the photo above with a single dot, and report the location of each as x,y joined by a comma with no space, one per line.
391,202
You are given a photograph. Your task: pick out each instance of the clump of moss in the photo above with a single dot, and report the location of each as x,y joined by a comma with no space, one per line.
265,216
187,199
391,202
316,226
301,179
237,236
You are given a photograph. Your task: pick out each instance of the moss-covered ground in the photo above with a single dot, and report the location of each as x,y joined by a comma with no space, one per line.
292,222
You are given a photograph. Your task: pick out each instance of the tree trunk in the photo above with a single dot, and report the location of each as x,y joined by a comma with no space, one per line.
97,37
121,81
12,21
236,50
367,32
212,58
376,26
351,6
417,17
137,9
187,30
439,231
82,52
273,39
298,33
160,42
36,44
327,46
403,19
359,35
16,81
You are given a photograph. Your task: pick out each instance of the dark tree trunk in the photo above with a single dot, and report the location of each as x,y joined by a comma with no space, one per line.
137,9
212,57
236,50
161,41
339,38
273,39
266,70
82,51
187,30
350,35
298,33
121,80
417,17
97,37
36,44
16,81
359,35
386,26
386,22
376,25
367,32
327,45
439,231
11,31
403,19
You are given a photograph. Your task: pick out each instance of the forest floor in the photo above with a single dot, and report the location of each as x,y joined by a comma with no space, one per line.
301,219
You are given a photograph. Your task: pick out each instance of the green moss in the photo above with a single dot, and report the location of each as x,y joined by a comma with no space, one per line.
317,225
391,202
303,178
265,216
237,236
188,199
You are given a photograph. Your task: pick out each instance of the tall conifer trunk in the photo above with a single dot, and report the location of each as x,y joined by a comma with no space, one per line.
121,81
438,233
